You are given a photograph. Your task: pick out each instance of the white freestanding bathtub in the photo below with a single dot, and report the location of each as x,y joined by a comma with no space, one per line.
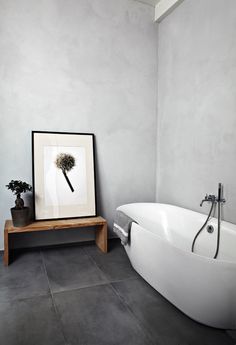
160,251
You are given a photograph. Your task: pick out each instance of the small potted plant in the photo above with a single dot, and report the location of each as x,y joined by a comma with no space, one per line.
20,213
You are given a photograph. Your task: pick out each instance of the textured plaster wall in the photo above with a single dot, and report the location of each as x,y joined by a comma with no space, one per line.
197,104
81,66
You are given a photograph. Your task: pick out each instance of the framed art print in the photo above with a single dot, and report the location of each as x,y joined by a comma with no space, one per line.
63,175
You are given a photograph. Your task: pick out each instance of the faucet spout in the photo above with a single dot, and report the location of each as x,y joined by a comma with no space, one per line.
211,198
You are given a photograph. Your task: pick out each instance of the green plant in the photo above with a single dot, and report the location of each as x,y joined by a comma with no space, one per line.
18,187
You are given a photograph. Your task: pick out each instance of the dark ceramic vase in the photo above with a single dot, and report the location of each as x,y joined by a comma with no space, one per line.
20,217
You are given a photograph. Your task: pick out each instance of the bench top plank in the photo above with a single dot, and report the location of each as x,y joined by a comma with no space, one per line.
55,224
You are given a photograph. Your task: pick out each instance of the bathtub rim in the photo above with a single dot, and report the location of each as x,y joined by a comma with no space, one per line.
179,207
171,244
201,257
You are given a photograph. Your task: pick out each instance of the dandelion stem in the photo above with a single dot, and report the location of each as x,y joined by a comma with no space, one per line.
68,181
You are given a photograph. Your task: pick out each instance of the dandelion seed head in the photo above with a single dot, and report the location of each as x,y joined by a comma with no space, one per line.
65,161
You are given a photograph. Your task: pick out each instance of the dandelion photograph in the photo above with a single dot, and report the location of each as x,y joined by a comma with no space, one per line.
63,175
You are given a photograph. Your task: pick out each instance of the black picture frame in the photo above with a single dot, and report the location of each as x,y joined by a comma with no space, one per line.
63,175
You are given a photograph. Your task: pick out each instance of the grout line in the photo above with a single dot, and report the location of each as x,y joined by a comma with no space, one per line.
81,287
94,262
141,326
109,280
53,302
23,298
122,280
92,285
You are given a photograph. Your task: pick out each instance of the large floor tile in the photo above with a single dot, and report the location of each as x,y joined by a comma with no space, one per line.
29,322
166,324
115,264
232,334
71,268
24,277
96,316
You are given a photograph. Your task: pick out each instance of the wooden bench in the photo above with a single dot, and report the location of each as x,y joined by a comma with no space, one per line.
52,225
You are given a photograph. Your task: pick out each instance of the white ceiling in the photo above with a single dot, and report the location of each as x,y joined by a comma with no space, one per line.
162,7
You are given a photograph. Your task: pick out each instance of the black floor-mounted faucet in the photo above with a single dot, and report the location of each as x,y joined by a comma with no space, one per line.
220,201
214,200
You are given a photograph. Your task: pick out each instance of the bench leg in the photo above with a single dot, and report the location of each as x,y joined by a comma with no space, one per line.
6,249
101,237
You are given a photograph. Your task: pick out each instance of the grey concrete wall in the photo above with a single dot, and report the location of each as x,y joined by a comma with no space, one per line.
81,66
197,104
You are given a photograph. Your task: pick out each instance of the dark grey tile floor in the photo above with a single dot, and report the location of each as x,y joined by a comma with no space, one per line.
80,296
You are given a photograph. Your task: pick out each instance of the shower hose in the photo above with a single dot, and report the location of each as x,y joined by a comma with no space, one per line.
218,232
